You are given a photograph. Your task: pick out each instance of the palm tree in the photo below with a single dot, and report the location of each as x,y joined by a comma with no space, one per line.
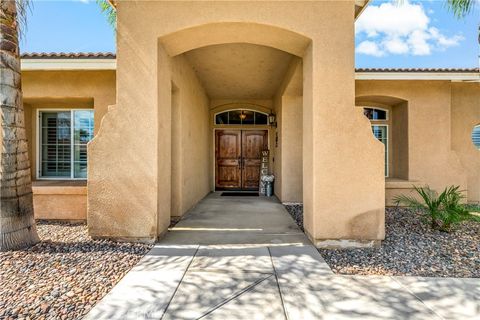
108,8
460,8
17,224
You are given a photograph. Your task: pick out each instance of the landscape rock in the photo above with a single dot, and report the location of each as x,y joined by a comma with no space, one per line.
410,248
54,279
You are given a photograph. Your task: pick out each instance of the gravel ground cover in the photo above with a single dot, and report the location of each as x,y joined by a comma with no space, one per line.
64,275
411,248
296,211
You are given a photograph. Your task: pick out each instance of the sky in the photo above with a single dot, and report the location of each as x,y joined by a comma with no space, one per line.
417,33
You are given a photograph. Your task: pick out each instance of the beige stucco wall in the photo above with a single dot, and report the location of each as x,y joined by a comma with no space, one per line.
431,159
194,140
187,120
147,37
464,109
63,90
330,159
194,120
291,140
288,148
67,90
60,202
465,114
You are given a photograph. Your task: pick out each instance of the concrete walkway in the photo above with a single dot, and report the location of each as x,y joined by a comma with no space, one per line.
244,258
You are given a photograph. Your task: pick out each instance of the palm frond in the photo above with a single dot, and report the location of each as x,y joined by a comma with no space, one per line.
23,7
411,202
109,11
460,8
472,217
443,211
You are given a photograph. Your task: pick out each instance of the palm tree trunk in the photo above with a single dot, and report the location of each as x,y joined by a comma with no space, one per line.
17,224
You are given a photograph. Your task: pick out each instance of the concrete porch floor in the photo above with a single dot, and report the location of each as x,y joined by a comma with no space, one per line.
218,220
244,258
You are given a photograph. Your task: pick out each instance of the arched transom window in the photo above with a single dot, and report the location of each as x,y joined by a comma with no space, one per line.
375,114
241,117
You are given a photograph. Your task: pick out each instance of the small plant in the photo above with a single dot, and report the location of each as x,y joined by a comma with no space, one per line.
442,211
473,207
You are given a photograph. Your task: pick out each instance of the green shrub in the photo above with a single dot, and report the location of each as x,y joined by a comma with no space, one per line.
442,211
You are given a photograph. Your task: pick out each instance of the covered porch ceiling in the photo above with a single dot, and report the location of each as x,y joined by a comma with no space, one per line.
239,70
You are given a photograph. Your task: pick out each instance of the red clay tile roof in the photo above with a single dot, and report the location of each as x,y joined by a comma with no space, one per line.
111,55
68,55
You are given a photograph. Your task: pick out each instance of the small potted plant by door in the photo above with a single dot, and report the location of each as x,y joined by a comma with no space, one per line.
268,181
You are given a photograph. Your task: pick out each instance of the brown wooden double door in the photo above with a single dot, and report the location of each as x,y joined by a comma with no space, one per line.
238,156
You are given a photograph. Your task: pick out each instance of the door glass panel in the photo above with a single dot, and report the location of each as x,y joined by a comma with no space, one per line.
241,117
221,118
234,117
248,117
261,118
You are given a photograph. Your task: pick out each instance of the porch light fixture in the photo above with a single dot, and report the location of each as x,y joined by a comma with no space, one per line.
272,120
242,115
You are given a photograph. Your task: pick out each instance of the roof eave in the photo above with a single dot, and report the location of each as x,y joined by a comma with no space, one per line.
107,61
49,64
470,76
113,4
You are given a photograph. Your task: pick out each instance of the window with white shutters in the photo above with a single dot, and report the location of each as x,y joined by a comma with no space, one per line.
63,138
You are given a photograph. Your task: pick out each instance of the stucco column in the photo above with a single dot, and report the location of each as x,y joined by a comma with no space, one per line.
124,170
291,157
343,173
164,144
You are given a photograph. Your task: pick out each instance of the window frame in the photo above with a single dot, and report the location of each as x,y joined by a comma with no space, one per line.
72,144
387,113
240,124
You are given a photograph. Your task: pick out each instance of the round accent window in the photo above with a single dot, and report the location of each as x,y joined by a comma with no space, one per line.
476,136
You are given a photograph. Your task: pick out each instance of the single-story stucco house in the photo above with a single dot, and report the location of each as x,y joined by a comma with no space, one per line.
198,92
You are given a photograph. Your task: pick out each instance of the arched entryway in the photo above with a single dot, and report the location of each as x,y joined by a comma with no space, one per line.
234,84
172,71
